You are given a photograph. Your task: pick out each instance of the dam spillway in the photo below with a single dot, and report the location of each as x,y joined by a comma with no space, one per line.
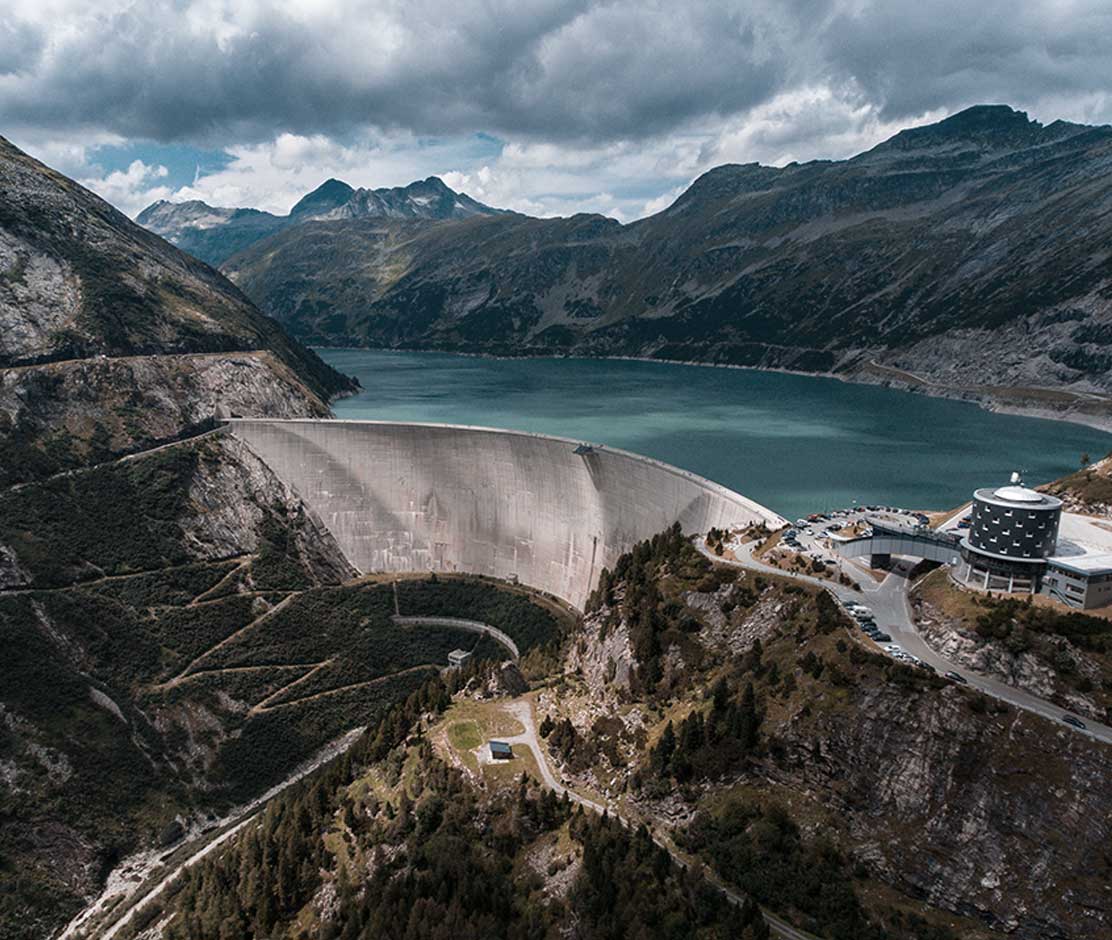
542,510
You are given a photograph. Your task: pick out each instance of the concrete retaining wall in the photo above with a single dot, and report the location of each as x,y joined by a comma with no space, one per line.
433,497
472,626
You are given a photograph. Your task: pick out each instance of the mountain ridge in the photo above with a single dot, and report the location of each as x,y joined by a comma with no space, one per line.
965,258
214,233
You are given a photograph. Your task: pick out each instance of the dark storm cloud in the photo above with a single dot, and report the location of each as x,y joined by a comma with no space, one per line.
20,47
562,69
909,57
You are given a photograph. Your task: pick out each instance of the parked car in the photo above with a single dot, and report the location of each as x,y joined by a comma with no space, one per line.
1074,721
882,637
957,677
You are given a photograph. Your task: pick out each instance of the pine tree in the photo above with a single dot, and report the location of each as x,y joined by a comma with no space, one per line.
749,719
665,747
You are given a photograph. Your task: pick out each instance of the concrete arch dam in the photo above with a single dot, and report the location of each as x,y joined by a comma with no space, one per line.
546,511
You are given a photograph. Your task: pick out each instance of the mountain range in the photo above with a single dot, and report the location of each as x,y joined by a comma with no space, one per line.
214,233
968,258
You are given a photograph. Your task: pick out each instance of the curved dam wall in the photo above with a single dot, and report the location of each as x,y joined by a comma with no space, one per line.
509,504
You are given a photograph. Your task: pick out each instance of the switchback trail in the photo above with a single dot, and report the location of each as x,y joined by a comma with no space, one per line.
266,615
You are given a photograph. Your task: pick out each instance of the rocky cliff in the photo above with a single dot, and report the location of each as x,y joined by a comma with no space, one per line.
119,559
112,340
934,795
963,258
1057,654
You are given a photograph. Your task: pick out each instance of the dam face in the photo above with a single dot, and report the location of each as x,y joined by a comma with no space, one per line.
433,497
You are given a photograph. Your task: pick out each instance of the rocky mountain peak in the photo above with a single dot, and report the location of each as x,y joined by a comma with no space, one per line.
988,126
214,234
725,182
331,194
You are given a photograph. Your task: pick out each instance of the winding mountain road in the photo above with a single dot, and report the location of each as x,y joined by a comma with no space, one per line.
888,601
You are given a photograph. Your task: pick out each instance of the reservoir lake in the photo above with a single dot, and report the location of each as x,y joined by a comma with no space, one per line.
797,444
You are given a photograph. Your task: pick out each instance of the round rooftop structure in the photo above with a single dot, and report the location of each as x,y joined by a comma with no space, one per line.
1018,494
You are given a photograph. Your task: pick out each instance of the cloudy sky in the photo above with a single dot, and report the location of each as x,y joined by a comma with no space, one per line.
545,106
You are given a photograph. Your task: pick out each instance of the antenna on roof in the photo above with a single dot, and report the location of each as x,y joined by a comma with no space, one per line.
1017,477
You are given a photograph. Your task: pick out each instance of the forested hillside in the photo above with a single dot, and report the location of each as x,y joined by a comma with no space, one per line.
391,842
857,796
182,633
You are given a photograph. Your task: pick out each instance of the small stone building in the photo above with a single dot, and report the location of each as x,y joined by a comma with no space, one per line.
457,658
500,750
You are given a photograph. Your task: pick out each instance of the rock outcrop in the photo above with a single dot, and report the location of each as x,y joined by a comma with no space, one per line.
112,340
952,799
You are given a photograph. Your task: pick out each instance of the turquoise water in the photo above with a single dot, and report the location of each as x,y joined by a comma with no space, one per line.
794,443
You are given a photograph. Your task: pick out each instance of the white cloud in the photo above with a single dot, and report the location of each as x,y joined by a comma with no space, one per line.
132,189
625,179
601,105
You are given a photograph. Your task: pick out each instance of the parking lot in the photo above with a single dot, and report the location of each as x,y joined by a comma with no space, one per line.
877,601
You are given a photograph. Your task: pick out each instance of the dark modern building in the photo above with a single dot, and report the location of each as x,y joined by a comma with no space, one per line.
1013,530
1010,546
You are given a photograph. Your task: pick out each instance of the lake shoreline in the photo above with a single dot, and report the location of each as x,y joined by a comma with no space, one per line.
991,404
789,440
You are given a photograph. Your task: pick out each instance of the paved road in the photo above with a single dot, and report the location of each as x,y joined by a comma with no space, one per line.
108,360
136,455
916,379
888,601
523,712
472,626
